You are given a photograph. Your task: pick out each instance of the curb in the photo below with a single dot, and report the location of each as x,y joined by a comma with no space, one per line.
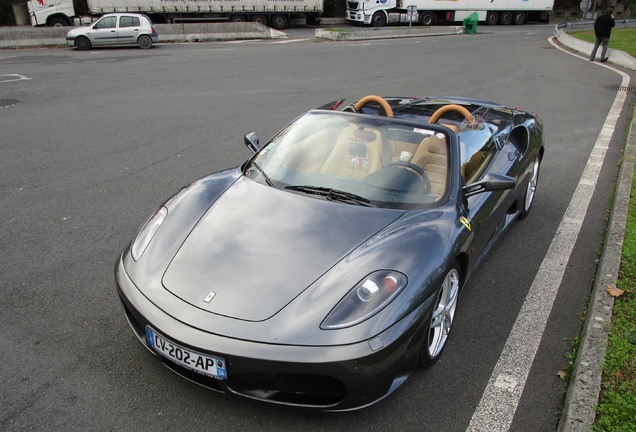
387,32
584,388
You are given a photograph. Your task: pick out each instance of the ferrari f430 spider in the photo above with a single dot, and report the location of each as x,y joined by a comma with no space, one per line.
327,267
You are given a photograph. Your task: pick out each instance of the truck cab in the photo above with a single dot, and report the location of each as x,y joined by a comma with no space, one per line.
51,13
369,12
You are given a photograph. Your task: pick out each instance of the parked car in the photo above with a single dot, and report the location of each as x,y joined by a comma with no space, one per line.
326,268
115,29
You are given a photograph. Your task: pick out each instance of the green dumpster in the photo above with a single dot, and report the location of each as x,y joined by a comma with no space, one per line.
470,23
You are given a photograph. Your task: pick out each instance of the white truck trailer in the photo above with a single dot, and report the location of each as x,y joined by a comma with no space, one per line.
378,13
275,13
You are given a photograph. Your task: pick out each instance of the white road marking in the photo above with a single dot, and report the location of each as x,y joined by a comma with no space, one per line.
13,77
501,397
242,41
291,41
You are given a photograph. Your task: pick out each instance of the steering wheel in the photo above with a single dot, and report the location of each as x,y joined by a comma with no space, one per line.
452,107
373,98
416,171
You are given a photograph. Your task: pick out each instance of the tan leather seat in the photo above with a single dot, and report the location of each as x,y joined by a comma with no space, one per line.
432,157
395,149
341,163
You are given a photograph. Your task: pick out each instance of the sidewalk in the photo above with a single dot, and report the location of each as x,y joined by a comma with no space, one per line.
619,58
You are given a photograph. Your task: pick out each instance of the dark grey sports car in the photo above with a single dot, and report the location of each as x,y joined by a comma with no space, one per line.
327,267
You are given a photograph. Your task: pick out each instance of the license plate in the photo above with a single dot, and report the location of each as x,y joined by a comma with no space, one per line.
198,362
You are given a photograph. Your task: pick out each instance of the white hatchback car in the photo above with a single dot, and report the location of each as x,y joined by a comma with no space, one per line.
115,29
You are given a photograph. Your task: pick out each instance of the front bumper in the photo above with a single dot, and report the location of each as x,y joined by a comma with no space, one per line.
334,378
357,16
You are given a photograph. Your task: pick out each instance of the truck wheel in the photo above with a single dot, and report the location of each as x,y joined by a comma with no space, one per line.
427,18
261,19
492,18
279,22
505,18
519,18
238,18
57,21
144,42
378,20
82,43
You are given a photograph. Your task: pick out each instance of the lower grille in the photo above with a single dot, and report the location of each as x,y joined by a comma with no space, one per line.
297,389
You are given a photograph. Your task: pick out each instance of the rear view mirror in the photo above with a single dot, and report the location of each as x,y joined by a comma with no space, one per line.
252,142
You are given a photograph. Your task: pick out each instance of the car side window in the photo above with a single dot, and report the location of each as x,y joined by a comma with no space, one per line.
128,21
477,148
106,23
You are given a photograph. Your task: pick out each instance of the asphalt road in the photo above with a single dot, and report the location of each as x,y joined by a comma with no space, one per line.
99,139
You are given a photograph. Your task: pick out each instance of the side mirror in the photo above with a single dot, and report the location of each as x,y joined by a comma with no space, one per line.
252,142
491,182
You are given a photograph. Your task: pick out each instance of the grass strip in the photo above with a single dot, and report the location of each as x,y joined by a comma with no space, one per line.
623,39
616,411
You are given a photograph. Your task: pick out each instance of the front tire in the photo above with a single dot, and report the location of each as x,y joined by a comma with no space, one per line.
442,317
57,21
531,189
82,43
378,20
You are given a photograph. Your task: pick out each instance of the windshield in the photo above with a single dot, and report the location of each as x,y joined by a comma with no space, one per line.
376,160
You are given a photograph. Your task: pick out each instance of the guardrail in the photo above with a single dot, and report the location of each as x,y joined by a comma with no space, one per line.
588,25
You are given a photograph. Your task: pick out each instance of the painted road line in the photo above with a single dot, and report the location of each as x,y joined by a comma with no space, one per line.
501,397
13,77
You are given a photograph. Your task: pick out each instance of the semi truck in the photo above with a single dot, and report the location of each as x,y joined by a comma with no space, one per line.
275,13
378,13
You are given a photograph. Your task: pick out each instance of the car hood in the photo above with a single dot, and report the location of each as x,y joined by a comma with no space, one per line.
257,248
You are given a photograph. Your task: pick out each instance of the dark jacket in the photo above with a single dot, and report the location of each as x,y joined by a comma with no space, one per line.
603,26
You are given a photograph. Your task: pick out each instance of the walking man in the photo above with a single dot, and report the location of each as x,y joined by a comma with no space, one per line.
602,29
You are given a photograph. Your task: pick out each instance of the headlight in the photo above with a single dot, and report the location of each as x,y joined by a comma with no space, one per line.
147,232
366,299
